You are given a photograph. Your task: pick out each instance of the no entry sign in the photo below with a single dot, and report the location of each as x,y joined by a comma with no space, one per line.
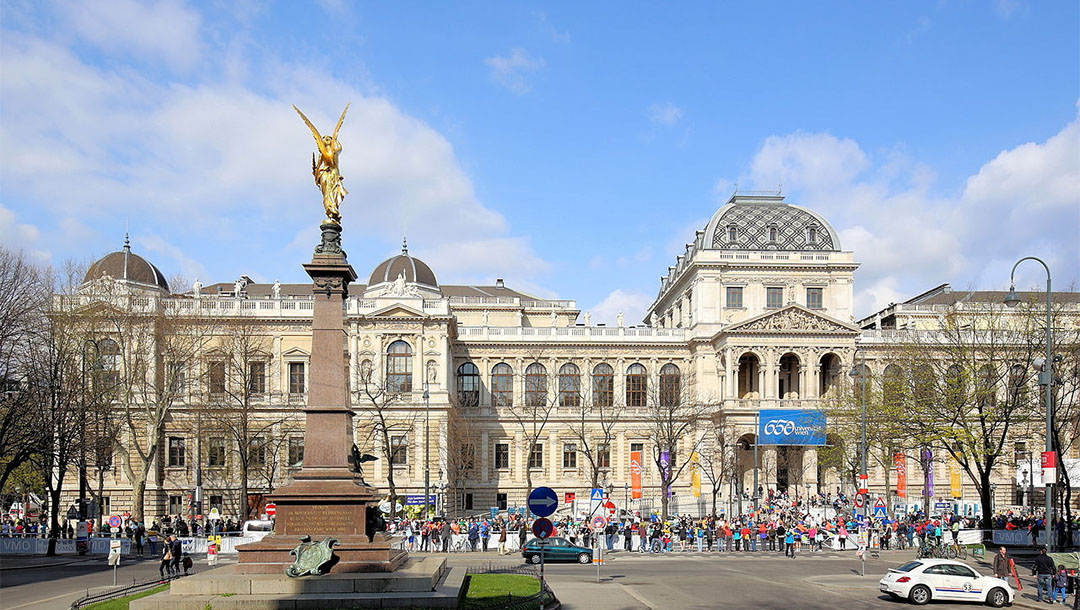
271,509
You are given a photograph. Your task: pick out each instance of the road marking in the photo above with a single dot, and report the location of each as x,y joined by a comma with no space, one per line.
48,599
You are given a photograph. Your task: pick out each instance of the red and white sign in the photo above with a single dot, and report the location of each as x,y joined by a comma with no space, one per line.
610,506
859,501
599,522
568,497
1049,467
862,484
271,509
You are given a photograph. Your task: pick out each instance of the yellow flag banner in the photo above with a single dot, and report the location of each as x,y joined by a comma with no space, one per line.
955,482
695,475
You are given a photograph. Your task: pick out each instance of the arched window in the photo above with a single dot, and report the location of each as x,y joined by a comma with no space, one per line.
955,388
109,354
670,381
772,234
398,368
535,385
569,386
811,235
732,233
637,385
603,385
502,385
468,384
892,387
987,386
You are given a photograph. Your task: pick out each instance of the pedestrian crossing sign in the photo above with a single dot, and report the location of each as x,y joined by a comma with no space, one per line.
597,495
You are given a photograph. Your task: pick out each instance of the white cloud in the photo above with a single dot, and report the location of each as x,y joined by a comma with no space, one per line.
18,236
510,71
226,154
190,268
664,113
165,30
631,304
1025,201
482,260
547,26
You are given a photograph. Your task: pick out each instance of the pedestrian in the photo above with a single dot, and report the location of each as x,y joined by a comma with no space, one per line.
1002,563
165,567
177,551
789,544
1061,580
842,535
502,540
1044,571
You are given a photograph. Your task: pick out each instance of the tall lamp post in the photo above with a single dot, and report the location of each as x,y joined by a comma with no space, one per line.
1046,378
860,374
427,453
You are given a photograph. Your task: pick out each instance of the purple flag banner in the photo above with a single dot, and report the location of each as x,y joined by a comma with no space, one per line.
928,468
665,469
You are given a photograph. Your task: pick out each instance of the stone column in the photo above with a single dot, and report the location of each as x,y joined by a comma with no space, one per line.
810,465
486,464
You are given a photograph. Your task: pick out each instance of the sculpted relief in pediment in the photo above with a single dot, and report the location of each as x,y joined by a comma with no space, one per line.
792,319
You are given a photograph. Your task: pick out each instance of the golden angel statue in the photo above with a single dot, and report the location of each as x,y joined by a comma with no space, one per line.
324,166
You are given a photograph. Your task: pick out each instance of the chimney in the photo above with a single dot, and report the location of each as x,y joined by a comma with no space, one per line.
499,283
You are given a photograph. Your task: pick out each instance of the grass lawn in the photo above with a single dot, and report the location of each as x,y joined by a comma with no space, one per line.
490,590
122,603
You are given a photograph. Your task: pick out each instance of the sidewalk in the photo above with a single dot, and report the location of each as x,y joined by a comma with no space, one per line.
29,562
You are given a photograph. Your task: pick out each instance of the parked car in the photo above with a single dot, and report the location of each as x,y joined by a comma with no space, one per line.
932,579
556,549
257,529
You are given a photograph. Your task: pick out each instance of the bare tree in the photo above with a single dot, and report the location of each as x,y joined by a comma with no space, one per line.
534,411
236,403
674,413
716,461
593,427
382,423
460,451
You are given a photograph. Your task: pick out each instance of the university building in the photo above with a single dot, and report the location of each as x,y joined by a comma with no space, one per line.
507,388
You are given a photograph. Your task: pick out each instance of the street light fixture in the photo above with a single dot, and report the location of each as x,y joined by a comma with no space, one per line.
427,453
1046,377
860,374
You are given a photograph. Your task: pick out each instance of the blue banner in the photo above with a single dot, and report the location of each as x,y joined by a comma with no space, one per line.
418,500
790,427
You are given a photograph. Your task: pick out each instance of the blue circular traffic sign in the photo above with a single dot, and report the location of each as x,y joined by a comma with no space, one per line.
542,528
543,501
114,521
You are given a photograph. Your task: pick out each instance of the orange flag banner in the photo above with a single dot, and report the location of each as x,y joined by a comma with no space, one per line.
901,475
635,475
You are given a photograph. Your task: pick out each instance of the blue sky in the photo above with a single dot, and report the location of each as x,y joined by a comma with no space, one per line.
571,148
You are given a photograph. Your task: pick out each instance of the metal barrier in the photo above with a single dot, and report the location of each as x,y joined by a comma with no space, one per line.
122,592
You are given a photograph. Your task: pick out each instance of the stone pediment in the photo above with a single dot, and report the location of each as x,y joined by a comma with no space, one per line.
397,310
792,319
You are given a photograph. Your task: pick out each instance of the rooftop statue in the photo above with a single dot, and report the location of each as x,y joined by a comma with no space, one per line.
324,166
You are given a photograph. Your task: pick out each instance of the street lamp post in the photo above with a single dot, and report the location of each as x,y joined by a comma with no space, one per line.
860,374
427,453
1046,378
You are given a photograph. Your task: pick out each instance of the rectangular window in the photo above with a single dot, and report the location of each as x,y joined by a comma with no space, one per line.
256,377
502,455
176,505
814,298
217,502
296,451
257,452
399,450
734,296
215,452
603,456
774,298
536,456
217,377
296,378
569,455
106,506
176,452
500,501
468,502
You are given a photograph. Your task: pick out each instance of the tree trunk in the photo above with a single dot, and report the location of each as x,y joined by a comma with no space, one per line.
664,499
987,500
54,517
138,491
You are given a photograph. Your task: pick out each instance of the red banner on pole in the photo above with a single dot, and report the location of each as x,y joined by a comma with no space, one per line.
635,475
901,475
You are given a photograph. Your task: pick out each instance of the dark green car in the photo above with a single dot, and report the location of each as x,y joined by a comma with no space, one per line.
556,549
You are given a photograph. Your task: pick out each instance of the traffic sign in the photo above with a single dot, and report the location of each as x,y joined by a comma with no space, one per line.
542,501
599,522
879,508
568,497
114,521
271,509
215,514
610,506
596,495
859,501
542,528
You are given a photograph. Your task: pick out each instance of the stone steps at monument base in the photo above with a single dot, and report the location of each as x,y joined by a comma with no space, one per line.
415,575
446,594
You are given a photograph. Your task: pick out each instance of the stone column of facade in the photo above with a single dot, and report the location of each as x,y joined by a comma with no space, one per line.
486,463
326,497
810,466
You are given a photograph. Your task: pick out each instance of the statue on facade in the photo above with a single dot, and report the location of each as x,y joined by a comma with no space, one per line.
276,290
587,318
324,167
554,318
520,317
484,316
196,288
619,320
654,320
238,287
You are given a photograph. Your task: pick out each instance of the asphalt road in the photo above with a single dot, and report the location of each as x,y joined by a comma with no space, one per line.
627,581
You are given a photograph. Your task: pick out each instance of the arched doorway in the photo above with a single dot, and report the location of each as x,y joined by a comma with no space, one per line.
788,378
749,367
828,374
744,471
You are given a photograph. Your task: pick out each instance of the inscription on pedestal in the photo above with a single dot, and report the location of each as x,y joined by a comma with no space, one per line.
315,520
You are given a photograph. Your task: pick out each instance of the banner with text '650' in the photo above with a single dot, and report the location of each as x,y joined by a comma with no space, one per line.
791,427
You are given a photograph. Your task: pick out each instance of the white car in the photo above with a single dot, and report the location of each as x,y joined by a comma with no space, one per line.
923,580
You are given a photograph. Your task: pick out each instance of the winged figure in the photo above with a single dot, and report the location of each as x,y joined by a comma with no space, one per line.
324,167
